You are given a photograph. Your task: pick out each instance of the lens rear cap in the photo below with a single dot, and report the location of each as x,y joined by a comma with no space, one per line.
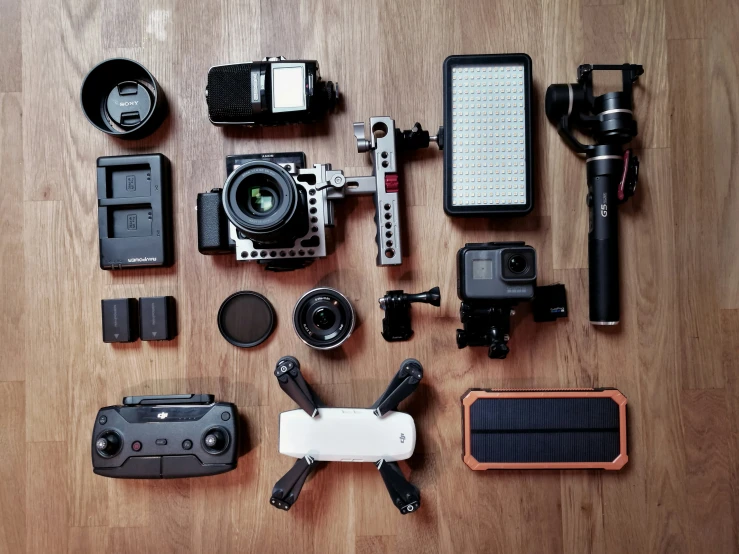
128,103
246,319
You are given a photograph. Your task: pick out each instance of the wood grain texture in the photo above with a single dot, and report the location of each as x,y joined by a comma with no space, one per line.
675,355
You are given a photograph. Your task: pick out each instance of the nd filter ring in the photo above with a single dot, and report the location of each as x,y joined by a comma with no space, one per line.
246,319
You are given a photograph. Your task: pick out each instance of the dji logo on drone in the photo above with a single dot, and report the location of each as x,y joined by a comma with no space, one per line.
162,415
402,438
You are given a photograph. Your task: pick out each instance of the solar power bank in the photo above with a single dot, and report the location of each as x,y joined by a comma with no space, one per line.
544,429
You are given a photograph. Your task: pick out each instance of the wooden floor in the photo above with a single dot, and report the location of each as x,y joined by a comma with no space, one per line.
674,355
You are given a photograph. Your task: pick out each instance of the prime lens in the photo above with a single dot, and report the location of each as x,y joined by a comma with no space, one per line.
323,318
262,200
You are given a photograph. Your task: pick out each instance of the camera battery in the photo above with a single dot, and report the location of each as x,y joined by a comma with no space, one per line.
134,211
158,318
120,320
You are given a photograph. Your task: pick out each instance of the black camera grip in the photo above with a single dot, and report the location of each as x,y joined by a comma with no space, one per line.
212,224
603,243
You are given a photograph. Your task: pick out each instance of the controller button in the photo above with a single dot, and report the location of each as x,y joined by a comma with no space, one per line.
225,416
136,446
187,444
161,442
102,420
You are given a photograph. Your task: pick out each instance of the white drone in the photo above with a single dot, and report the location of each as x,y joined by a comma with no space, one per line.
377,434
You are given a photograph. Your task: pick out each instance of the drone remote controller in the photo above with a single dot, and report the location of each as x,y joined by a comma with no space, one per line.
163,437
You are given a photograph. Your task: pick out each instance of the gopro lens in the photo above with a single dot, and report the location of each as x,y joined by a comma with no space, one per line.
323,318
517,264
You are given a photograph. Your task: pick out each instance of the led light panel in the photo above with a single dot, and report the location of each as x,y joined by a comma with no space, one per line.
487,128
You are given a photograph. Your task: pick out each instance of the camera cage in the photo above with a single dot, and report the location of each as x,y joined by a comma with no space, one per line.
323,186
320,209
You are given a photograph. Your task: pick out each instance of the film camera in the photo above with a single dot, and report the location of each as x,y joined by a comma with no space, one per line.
492,278
273,209
274,91
612,173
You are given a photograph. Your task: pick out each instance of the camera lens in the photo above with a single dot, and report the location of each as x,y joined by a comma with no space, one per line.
262,200
517,264
258,195
323,318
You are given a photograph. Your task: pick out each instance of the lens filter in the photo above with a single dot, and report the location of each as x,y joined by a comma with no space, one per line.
246,319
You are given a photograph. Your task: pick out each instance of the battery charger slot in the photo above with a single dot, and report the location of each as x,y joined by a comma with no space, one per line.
129,181
134,220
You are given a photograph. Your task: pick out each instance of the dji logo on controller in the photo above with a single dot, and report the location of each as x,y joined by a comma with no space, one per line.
162,415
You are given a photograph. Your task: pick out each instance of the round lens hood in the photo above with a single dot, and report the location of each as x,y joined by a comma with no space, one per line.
323,318
266,177
121,98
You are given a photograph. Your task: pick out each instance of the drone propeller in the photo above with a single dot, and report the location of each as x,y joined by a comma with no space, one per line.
292,383
404,495
286,491
401,386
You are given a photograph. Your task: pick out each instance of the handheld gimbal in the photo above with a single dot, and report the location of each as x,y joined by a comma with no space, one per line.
611,172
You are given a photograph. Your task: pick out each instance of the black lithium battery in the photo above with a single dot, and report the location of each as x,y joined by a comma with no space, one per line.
158,318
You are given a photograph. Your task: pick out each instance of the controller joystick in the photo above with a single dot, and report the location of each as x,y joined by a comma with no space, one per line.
108,444
215,440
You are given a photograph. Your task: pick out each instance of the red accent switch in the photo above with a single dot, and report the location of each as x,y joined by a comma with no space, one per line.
136,446
392,184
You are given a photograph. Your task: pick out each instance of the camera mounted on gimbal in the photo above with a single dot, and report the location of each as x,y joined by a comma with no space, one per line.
612,173
275,210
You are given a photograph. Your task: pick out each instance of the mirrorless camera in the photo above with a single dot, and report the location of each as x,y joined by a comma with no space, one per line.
492,278
273,209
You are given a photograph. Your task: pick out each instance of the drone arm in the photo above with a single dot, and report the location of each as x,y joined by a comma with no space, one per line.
404,495
292,383
286,491
402,385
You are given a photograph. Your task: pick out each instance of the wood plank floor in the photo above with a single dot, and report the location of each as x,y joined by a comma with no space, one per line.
675,354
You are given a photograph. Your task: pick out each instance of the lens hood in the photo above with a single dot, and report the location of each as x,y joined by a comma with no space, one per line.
121,98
